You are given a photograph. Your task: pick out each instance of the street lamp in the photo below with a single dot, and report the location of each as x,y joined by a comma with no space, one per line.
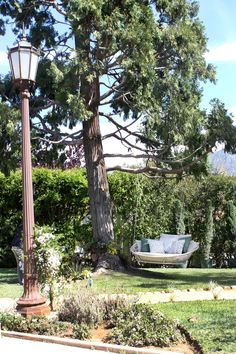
24,62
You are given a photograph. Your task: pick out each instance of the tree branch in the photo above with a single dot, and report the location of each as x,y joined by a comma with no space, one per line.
114,88
158,170
56,6
137,135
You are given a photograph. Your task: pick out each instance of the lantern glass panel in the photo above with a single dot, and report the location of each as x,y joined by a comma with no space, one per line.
33,66
15,65
25,64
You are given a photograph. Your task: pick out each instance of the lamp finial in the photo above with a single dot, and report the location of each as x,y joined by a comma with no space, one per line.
23,32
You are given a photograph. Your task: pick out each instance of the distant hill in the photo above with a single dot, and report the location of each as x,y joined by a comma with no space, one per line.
223,163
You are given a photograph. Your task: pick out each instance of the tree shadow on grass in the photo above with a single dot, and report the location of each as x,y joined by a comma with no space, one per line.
182,277
8,276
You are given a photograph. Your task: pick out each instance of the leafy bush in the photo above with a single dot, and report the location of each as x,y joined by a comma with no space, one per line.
113,303
139,325
60,200
36,324
42,325
85,307
81,331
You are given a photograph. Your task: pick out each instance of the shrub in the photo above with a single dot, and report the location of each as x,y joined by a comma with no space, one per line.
85,307
60,200
36,324
81,331
113,303
139,325
41,325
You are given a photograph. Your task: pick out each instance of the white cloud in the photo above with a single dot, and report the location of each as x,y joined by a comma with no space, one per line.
233,111
224,52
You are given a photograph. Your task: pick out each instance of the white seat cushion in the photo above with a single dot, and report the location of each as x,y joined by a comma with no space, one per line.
156,246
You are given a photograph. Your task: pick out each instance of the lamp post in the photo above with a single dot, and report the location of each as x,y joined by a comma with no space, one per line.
24,62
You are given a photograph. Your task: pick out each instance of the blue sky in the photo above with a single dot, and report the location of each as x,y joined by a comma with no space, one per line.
218,17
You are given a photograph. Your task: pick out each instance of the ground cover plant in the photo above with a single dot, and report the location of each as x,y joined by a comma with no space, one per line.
138,325
43,326
211,323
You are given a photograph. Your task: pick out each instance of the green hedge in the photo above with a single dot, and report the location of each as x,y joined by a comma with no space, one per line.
147,207
60,199
141,207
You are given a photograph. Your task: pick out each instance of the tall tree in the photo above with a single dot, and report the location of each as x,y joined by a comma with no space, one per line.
230,242
179,217
126,61
208,236
9,138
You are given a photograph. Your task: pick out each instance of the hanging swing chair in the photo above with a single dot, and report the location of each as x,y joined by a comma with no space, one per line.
168,250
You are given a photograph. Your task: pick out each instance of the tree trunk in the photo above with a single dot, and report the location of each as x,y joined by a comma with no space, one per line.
98,188
100,201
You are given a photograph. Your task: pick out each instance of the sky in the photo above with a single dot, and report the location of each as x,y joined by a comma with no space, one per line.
218,17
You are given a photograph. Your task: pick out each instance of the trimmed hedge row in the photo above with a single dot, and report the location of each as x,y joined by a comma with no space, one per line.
141,207
148,207
60,199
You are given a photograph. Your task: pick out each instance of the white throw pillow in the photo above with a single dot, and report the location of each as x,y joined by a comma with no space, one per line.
176,247
156,246
167,241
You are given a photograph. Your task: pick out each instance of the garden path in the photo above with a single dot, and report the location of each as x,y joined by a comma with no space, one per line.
216,292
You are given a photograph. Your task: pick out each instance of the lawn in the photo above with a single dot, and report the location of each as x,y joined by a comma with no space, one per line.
137,280
157,279
212,323
8,284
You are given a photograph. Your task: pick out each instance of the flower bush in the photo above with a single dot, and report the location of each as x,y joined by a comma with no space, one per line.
48,254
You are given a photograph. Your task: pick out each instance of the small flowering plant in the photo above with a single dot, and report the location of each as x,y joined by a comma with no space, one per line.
48,258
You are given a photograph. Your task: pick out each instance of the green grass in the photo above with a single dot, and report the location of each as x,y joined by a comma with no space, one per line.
143,280
8,284
213,325
139,280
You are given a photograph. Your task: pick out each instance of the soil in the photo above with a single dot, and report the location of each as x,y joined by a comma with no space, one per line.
100,333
